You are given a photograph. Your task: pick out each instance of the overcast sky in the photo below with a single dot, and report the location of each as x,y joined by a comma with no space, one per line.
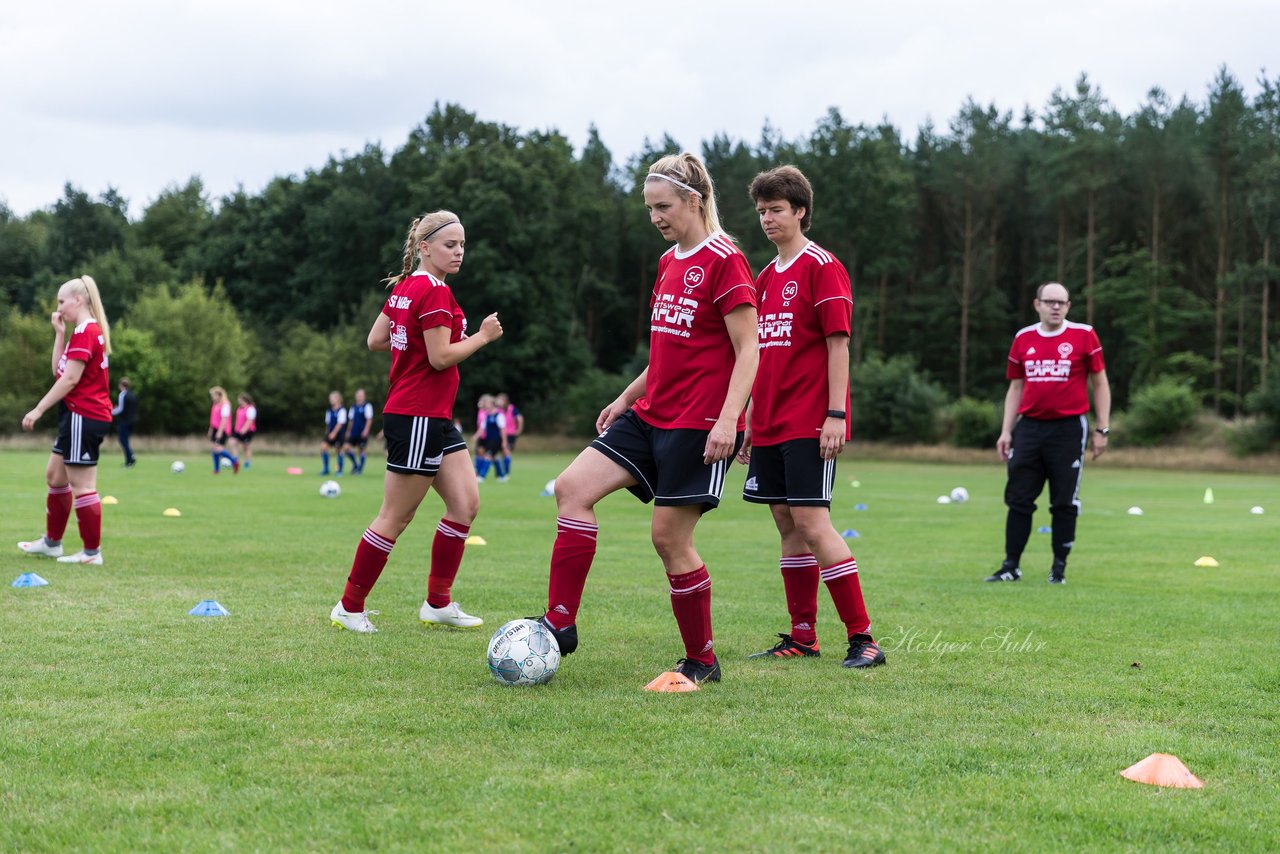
140,94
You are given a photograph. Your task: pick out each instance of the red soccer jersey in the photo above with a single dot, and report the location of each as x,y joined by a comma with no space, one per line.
690,353
419,303
91,397
801,305
1054,366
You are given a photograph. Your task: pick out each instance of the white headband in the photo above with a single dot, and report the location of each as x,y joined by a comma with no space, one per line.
681,184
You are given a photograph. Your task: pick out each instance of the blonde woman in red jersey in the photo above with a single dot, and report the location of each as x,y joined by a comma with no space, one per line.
669,436
82,393
423,328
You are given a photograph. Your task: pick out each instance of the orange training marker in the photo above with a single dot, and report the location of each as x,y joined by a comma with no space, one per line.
672,683
1162,769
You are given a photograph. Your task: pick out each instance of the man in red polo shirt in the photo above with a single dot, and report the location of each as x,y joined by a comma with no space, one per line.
1045,432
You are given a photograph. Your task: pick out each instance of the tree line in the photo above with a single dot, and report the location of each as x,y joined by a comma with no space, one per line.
1161,222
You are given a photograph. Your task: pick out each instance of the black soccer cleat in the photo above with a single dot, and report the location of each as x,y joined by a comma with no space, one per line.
1058,572
863,652
697,672
1006,572
566,638
789,647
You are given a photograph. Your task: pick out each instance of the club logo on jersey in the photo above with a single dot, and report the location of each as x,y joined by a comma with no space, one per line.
774,329
692,278
673,315
1064,349
398,302
789,291
399,336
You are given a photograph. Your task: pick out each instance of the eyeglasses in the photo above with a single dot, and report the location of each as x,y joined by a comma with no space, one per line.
1055,303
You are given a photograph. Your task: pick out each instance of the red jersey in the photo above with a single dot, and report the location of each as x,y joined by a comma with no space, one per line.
801,305
690,353
419,303
1054,366
91,397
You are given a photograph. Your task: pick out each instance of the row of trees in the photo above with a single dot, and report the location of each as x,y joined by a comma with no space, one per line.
1162,223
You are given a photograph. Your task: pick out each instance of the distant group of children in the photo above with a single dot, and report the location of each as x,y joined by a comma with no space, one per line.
346,433
498,424
231,438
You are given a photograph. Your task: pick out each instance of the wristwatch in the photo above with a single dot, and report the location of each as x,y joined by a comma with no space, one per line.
835,413
1106,431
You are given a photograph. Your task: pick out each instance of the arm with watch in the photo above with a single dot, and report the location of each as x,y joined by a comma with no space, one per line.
1101,410
831,441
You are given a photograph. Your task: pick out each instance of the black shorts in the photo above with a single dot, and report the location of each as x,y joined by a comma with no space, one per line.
667,464
511,442
356,440
79,438
338,438
217,437
417,444
792,473
493,446
246,437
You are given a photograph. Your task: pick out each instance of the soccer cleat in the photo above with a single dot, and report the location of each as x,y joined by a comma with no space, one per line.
450,615
357,621
40,547
863,652
81,557
789,647
1058,572
1006,572
566,638
697,672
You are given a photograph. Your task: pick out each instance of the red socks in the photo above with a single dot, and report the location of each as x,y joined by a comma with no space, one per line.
842,582
571,558
57,512
446,557
691,603
89,520
371,557
800,582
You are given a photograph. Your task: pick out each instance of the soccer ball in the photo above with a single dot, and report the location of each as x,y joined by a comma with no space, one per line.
523,652
959,495
330,489
178,467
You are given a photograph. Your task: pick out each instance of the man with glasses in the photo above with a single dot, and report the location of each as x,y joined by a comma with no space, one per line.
1045,433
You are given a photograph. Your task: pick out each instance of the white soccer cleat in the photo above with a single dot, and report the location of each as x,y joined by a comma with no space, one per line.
39,547
81,557
449,615
355,622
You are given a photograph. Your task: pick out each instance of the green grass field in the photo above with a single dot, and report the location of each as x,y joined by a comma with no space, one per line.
1001,721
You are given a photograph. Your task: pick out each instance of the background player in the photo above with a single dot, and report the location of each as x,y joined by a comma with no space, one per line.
335,432
513,419
125,414
1045,431
799,417
82,392
491,438
220,425
246,427
359,422
668,437
423,327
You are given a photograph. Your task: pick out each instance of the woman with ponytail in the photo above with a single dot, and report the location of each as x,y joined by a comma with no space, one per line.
423,328
82,393
669,436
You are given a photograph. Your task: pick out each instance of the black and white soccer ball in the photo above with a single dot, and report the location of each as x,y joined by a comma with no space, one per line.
523,652
330,489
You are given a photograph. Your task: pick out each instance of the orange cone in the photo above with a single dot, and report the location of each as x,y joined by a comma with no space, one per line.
672,683
1162,769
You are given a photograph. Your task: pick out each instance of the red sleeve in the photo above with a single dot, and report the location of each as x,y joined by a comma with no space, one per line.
80,347
734,284
833,299
1015,370
1096,364
434,308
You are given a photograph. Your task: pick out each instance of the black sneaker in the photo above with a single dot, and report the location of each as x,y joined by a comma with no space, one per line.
1058,572
566,638
863,652
698,672
1006,572
789,647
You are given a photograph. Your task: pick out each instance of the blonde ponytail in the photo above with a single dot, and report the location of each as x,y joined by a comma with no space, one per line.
687,173
86,287
420,229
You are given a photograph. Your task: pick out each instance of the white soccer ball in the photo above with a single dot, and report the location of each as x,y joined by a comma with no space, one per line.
959,495
523,652
330,489
178,467
944,499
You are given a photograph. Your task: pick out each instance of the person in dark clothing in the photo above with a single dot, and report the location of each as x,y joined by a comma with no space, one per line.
125,414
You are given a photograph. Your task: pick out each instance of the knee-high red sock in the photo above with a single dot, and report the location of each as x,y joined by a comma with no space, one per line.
446,557
571,558
842,582
691,603
89,519
57,511
800,582
371,557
